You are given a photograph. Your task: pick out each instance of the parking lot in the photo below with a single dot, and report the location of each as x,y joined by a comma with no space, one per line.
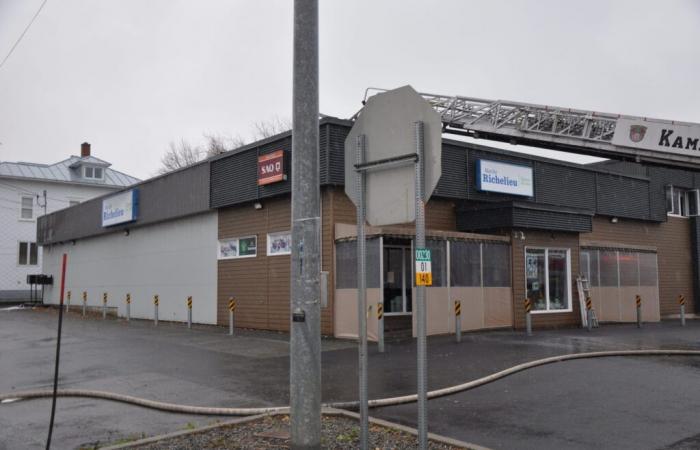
640,402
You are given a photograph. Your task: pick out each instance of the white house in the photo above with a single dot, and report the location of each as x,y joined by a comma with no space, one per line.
28,190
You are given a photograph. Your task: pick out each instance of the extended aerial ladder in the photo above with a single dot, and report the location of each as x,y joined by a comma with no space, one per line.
567,129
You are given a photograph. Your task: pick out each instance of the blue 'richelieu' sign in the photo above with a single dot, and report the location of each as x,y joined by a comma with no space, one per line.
492,176
120,208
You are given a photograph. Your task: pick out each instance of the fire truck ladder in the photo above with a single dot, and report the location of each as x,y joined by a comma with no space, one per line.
565,129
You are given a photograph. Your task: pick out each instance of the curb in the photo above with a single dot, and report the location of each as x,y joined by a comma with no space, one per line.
325,411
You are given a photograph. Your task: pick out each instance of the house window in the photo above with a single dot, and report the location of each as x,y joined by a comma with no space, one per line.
548,279
95,173
28,254
27,208
682,202
242,247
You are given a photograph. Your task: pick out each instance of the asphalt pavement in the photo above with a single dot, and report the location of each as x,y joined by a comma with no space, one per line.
640,402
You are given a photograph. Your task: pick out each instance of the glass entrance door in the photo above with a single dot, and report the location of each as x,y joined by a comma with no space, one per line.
397,280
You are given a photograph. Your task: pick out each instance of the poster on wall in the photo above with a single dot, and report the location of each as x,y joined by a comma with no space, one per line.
243,247
279,243
531,266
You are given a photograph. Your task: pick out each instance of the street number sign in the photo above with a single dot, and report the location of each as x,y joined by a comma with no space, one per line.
424,272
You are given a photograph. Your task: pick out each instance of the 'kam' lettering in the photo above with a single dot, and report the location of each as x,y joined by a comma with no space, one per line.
690,143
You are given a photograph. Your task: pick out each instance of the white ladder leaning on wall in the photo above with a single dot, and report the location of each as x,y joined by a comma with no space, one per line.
584,292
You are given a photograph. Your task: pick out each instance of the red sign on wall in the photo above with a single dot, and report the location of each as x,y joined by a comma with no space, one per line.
271,168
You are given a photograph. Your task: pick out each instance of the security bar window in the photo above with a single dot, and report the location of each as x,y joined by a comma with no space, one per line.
27,208
28,254
548,279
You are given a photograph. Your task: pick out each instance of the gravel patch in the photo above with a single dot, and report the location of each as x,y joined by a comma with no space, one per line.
272,432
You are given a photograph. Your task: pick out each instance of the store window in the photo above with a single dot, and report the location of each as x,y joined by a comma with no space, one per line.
242,247
27,207
682,202
548,279
28,254
623,268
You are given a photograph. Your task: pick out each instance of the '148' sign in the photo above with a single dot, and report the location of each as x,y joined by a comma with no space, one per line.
271,168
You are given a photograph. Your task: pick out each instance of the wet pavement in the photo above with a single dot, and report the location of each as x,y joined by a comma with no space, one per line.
649,402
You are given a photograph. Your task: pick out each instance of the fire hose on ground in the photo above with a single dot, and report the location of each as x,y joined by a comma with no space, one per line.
389,401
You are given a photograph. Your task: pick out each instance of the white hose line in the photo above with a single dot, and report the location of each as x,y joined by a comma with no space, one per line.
390,401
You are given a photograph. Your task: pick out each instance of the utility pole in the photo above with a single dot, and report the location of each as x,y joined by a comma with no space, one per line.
305,338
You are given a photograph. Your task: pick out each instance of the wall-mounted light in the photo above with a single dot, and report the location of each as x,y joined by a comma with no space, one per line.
613,220
257,205
72,242
126,232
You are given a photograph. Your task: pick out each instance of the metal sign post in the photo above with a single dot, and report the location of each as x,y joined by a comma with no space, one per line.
395,145
361,290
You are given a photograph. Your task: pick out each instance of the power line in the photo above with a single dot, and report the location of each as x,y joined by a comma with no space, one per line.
23,33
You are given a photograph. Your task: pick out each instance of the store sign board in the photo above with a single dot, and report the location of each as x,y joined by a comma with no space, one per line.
682,139
424,271
271,168
493,176
120,208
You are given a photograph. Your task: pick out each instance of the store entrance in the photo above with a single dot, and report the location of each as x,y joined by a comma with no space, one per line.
398,286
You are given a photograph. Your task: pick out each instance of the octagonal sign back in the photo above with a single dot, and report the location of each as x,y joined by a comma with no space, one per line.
387,122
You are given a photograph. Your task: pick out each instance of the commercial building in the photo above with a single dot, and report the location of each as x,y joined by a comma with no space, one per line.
28,190
502,227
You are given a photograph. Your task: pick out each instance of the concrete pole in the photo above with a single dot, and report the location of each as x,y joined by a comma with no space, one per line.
362,292
681,301
528,316
84,302
104,305
189,313
380,327
231,309
68,305
305,336
422,363
589,314
128,307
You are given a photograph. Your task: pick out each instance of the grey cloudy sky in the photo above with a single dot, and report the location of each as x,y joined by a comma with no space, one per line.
130,76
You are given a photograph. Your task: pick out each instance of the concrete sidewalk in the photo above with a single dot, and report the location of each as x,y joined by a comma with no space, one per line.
205,366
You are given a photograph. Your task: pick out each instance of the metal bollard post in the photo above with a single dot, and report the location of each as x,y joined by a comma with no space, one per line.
638,299
528,316
104,305
589,314
231,309
68,305
681,301
128,307
156,300
380,327
458,320
189,312
84,302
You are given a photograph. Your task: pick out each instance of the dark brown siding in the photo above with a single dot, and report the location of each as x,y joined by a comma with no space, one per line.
549,240
261,284
672,240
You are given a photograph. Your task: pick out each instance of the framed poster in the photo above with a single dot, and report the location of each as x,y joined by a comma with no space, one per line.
279,243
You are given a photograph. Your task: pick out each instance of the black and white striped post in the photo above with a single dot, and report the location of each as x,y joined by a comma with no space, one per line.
589,314
84,302
681,302
528,316
231,310
380,327
189,312
638,300
104,305
128,307
156,301
458,320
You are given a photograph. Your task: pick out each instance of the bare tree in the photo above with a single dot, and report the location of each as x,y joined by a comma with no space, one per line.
183,154
179,155
267,128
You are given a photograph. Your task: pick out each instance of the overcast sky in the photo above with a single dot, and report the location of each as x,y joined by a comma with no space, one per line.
130,76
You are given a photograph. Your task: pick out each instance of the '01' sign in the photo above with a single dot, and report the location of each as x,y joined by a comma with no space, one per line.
271,168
